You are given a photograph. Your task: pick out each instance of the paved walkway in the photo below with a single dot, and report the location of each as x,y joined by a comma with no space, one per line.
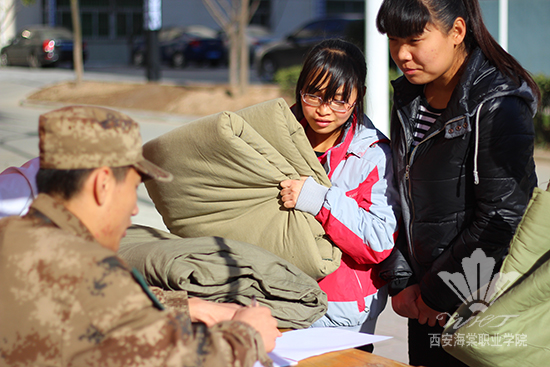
19,143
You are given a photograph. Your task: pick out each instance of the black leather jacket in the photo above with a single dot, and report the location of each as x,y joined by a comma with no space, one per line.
446,215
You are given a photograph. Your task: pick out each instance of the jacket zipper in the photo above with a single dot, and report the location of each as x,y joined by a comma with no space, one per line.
408,169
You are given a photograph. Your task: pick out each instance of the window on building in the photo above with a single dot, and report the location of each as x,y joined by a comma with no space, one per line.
261,16
345,6
86,22
103,29
104,19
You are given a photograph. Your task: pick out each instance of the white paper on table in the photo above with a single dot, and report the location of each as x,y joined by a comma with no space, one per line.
296,345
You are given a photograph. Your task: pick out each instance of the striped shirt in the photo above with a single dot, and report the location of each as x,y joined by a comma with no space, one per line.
424,120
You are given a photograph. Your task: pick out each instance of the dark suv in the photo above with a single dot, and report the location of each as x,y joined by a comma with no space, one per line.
180,45
293,48
40,45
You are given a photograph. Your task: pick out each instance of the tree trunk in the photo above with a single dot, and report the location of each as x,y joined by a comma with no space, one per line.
233,60
233,16
77,41
243,47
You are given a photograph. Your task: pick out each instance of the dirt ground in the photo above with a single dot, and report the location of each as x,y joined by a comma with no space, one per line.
195,100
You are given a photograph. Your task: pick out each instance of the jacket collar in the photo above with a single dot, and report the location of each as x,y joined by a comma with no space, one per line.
340,149
54,210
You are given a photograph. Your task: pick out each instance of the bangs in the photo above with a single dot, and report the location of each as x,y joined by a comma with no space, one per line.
333,66
403,18
330,76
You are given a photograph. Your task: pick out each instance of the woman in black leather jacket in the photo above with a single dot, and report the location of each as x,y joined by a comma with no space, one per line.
462,141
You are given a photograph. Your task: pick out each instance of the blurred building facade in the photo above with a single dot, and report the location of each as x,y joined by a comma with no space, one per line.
109,26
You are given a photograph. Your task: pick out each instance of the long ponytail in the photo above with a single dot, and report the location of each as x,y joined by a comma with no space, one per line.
405,18
478,35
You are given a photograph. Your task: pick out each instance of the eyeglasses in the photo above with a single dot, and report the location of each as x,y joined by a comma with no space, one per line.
316,101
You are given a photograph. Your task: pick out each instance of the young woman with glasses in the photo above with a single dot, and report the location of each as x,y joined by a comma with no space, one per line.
462,141
358,211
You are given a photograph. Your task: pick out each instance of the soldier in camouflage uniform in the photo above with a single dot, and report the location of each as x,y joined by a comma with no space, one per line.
67,299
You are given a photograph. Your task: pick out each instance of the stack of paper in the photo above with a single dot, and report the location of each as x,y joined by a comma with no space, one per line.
296,345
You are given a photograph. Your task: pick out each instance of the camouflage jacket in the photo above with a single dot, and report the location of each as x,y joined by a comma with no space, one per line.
68,301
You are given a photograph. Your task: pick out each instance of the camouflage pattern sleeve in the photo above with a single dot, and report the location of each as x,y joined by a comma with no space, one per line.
239,336
70,302
173,300
137,334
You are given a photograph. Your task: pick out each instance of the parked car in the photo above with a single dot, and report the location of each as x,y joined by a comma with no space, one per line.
40,45
257,36
292,49
181,45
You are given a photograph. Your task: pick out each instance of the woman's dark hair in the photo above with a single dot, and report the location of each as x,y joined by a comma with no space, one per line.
68,183
407,18
337,63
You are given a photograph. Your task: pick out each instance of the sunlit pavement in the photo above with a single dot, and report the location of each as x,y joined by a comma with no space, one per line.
19,124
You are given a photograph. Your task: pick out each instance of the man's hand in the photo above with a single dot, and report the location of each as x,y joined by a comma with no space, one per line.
290,190
211,312
259,317
429,315
404,302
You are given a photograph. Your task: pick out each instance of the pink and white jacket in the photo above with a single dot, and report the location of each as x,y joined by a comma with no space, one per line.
359,211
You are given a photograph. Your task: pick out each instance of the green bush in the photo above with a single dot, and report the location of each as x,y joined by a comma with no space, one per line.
542,118
287,79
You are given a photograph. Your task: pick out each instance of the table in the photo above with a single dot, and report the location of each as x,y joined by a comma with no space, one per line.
349,358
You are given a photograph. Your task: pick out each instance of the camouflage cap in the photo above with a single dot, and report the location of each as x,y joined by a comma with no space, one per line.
81,137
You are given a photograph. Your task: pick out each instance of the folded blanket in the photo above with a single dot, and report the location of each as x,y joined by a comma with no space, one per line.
224,270
227,169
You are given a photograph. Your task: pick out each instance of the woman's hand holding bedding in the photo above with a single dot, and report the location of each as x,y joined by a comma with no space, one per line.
290,191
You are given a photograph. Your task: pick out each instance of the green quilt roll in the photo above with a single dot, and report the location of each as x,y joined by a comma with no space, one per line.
227,169
224,270
513,329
